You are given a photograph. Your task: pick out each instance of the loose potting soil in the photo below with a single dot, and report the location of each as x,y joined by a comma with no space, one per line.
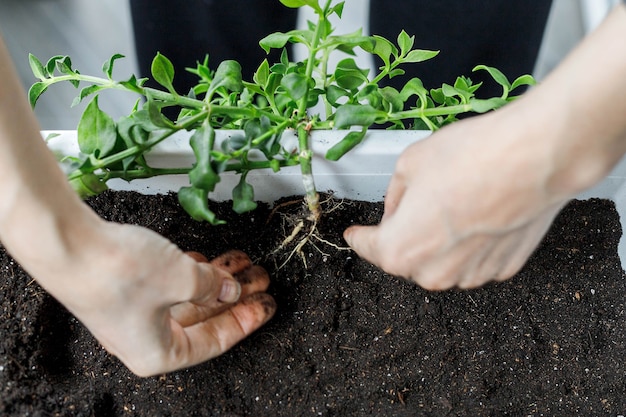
347,339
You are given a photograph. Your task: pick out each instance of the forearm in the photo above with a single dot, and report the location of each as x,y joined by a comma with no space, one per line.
38,209
579,111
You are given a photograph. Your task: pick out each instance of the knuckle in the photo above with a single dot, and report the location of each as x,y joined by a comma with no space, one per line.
404,162
439,280
396,261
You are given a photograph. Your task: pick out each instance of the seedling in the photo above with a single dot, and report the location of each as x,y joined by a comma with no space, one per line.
277,99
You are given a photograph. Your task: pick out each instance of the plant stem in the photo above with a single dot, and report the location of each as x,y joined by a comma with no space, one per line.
310,65
430,112
312,197
150,172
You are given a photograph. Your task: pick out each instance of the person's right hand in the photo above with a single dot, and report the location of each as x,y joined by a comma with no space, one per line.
464,207
469,204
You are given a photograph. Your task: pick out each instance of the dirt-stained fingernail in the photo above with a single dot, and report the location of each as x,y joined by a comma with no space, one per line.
233,260
230,292
252,274
263,299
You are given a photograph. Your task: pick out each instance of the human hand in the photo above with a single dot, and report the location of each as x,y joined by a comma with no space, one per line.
464,207
471,203
156,308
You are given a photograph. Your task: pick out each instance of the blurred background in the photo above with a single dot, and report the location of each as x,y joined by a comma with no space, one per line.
91,31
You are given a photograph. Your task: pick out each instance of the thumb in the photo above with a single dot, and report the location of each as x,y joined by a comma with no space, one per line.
363,240
213,283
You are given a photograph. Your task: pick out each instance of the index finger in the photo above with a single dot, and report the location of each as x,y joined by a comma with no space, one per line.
364,241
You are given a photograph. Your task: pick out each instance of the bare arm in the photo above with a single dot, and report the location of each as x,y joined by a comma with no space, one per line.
470,203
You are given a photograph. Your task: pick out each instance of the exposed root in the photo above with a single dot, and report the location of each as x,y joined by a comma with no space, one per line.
280,206
298,250
295,232
304,231
331,244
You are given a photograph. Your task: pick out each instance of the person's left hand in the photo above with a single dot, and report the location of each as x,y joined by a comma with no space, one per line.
155,307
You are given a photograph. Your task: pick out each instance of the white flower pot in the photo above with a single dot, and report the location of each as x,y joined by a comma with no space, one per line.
362,174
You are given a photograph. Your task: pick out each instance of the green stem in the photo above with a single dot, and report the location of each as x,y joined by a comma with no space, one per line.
182,101
149,172
97,164
282,126
114,85
244,113
328,108
430,112
310,65
306,156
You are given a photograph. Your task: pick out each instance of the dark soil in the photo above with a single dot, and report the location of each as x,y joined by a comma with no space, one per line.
347,340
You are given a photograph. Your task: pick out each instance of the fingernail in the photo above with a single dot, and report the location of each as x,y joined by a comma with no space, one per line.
231,290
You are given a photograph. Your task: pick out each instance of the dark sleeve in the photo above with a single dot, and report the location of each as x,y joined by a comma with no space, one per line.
185,31
500,33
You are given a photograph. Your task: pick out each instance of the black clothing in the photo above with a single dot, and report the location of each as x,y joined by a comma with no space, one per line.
505,34
185,31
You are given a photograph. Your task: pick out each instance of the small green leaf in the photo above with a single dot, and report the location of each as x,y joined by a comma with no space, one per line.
262,74
334,94
383,48
64,66
51,65
338,9
393,97
414,87
273,83
202,175
483,106
85,92
156,116
253,88
162,71
96,131
348,41
228,76
349,76
437,95
405,42
294,4
195,201
498,76
37,67
275,40
395,72
523,80
35,91
295,84
419,55
107,67
134,84
243,196
345,145
372,94
450,91
356,115
88,185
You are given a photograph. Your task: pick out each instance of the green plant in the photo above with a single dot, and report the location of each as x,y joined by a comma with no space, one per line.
276,99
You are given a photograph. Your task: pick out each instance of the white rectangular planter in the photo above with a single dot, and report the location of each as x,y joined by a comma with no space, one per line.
362,174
